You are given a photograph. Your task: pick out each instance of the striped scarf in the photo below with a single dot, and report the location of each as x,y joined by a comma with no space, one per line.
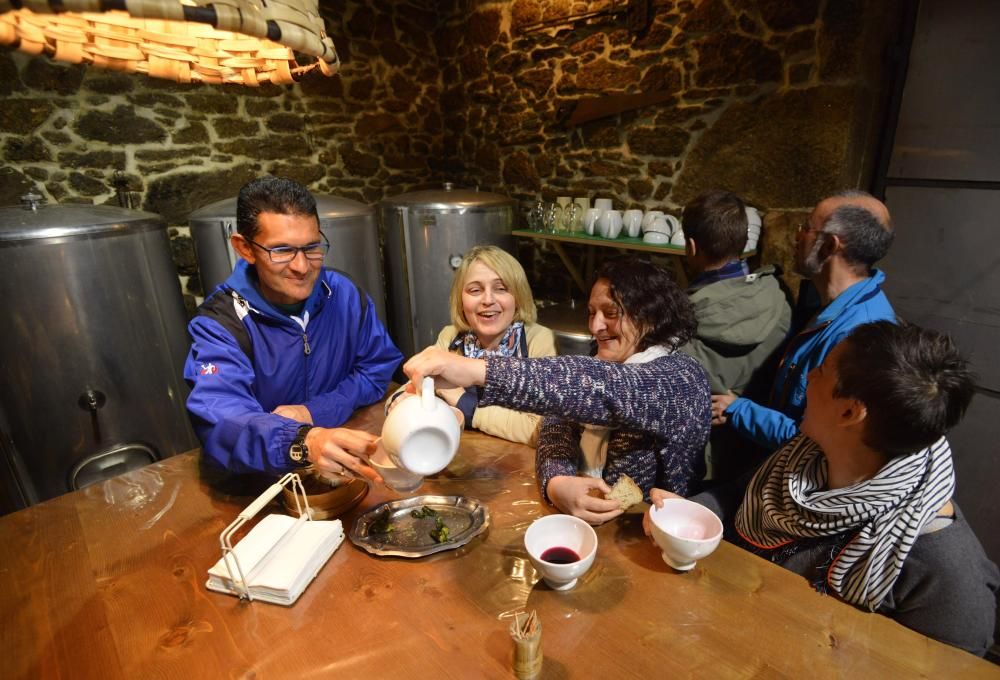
787,500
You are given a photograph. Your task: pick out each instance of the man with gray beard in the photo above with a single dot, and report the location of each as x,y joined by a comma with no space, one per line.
845,235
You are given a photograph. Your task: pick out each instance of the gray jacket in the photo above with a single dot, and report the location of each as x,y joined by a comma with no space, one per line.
741,322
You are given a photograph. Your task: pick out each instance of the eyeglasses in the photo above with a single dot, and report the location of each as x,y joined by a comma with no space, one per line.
283,254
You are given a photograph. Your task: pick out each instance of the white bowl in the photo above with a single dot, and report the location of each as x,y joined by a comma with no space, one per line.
565,532
685,532
656,237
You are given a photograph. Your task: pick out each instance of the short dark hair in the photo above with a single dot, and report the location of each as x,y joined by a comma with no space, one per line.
274,195
661,311
913,381
865,237
717,222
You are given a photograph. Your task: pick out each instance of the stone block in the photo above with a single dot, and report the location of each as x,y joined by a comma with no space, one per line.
640,189
194,133
358,163
519,171
537,80
591,44
284,123
361,88
23,116
10,81
664,142
26,149
781,15
231,127
14,184
305,174
661,78
86,185
49,76
218,103
175,196
118,127
483,28
602,75
100,160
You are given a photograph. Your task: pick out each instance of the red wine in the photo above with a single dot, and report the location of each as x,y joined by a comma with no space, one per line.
560,555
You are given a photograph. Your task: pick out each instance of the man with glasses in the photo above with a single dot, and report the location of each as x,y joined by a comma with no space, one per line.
285,350
846,234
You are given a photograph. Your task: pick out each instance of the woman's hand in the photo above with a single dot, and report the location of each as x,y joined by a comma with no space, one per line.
335,450
448,369
451,394
657,496
572,496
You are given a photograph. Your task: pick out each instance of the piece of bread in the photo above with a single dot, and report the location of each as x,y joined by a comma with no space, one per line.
626,492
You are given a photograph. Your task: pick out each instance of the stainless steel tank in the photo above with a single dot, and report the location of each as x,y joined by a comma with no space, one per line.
568,323
348,224
426,235
91,382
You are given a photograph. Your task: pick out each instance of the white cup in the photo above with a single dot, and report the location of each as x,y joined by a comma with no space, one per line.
660,226
753,217
656,237
421,434
602,203
632,221
649,217
677,238
572,537
590,220
673,222
684,531
396,478
609,224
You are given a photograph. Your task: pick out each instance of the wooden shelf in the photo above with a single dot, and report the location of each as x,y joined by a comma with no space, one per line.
622,243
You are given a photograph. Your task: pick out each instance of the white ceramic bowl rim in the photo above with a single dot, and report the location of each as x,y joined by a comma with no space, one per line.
658,515
541,524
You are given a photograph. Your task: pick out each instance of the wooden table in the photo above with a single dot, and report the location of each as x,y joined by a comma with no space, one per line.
108,582
622,243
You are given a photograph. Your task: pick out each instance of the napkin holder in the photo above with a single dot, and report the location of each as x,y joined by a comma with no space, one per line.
306,549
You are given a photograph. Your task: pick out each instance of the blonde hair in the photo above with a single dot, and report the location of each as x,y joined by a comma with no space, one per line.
510,272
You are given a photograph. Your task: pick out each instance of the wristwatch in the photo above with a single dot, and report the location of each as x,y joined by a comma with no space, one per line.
298,451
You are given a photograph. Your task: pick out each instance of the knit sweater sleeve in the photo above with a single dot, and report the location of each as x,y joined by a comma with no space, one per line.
651,397
558,451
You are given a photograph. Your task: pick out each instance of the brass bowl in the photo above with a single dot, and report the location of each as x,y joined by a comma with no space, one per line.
325,500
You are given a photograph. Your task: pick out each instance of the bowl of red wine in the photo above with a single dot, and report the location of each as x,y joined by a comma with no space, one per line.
562,549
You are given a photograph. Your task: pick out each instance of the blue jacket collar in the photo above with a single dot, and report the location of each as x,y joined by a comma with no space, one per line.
859,292
245,282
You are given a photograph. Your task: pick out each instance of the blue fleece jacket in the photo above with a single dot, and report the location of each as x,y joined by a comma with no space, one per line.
336,358
777,422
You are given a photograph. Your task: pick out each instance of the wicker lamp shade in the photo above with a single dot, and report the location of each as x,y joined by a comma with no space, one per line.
247,42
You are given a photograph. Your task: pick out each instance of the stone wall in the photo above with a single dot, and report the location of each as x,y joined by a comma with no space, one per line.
778,101
374,130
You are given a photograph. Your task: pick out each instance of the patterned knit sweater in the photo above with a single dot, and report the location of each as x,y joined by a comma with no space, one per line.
661,412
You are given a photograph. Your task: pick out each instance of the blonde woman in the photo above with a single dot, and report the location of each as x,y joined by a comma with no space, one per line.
493,314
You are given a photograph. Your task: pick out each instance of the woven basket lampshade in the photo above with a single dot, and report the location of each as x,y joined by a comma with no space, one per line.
247,42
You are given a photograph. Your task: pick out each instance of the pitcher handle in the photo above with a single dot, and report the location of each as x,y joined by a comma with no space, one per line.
427,396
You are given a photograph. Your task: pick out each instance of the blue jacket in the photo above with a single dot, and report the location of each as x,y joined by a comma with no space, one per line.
774,424
247,358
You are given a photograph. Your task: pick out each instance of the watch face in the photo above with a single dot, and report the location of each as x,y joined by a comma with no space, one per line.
297,452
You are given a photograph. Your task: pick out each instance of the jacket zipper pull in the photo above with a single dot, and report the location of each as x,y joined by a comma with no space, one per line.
305,345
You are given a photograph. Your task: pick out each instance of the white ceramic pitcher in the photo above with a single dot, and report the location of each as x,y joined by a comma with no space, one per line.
421,434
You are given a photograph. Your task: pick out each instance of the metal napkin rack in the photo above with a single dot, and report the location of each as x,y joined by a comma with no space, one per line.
229,557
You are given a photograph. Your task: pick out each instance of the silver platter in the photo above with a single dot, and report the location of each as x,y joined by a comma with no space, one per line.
465,518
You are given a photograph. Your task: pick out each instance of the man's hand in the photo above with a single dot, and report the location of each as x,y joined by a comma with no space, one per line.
657,496
572,496
449,369
295,412
335,450
720,402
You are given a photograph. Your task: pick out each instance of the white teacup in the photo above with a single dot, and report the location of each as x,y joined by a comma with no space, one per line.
602,203
656,237
659,225
396,478
677,238
673,222
561,548
609,224
632,222
684,531
649,217
590,220
753,217
421,434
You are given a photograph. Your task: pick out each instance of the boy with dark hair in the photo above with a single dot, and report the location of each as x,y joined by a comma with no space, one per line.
742,318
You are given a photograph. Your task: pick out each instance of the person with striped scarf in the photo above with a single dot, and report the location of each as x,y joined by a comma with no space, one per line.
861,501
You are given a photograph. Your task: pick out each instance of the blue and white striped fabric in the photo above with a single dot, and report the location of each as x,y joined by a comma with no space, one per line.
787,499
